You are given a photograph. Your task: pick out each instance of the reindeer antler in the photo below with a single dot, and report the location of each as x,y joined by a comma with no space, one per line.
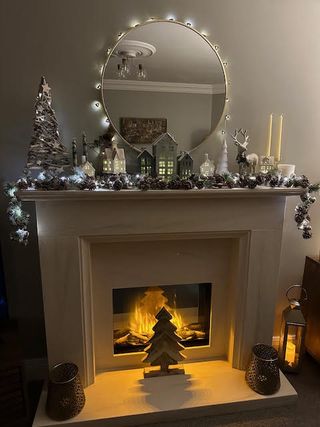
244,134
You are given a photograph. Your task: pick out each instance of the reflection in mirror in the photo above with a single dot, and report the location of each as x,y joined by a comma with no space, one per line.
163,77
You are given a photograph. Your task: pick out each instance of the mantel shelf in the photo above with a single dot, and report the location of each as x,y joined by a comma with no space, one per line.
38,195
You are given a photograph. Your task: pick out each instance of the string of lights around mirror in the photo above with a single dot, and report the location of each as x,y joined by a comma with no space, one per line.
99,105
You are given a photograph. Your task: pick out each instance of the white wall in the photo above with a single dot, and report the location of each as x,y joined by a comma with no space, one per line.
273,52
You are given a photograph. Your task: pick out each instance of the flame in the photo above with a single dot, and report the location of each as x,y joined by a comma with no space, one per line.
143,315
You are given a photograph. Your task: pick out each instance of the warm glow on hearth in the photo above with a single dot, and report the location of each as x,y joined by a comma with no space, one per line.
143,315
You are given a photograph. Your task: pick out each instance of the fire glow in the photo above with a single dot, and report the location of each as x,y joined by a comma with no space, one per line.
134,327
143,316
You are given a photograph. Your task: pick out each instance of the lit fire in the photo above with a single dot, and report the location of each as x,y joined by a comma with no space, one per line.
143,317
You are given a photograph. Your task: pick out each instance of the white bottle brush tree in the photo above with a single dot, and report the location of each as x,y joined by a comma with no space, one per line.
222,166
164,348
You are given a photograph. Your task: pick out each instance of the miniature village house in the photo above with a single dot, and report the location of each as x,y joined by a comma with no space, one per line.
146,163
185,165
114,160
165,154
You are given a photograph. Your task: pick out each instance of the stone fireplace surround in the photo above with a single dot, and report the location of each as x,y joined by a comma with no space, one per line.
71,224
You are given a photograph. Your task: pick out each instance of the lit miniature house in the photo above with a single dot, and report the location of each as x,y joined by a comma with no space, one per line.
87,168
114,160
165,154
146,163
185,165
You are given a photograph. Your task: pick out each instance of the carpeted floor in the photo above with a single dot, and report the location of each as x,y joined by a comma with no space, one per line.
305,413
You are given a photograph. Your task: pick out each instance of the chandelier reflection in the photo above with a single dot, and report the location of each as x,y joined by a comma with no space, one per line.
131,52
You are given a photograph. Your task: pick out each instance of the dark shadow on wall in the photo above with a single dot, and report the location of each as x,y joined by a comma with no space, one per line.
23,284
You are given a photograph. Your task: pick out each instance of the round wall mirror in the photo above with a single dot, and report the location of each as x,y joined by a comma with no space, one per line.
164,76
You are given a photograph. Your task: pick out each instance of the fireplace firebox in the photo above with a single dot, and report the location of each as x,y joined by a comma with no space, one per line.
135,308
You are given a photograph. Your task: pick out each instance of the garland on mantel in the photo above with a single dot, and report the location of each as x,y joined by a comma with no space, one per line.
52,181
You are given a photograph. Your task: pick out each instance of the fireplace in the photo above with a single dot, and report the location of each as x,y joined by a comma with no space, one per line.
134,311
95,246
191,276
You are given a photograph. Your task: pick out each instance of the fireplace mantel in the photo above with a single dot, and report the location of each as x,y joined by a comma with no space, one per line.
38,195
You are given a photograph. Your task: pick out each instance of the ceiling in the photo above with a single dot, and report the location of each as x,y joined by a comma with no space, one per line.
182,55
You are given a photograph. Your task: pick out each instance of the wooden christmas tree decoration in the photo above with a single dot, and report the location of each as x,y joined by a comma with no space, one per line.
46,149
164,348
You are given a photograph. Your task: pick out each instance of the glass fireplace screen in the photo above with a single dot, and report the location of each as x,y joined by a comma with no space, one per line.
134,311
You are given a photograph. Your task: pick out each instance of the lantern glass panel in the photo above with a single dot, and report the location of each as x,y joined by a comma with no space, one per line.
293,346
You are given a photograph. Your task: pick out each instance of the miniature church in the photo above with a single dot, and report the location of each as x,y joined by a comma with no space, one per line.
114,160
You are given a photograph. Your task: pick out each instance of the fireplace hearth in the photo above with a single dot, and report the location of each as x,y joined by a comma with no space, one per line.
134,311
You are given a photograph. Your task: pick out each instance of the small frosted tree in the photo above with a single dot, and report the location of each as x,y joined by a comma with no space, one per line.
222,165
164,348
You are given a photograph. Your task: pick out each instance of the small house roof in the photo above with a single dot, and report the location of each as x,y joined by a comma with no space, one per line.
144,151
112,153
164,136
183,155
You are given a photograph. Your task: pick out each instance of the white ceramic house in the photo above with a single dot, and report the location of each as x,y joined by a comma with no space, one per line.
114,160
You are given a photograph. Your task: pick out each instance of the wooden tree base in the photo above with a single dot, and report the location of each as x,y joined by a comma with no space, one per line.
156,372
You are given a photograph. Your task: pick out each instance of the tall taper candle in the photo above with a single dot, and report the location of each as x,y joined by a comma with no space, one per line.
280,138
269,141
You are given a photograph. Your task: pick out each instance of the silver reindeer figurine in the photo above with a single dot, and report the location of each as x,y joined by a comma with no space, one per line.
244,161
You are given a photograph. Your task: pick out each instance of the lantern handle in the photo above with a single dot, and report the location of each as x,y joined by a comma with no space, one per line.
295,301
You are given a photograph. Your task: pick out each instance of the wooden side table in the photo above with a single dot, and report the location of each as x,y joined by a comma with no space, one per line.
311,309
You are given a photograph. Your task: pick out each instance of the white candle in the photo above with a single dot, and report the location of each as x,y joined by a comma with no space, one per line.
269,136
290,356
280,138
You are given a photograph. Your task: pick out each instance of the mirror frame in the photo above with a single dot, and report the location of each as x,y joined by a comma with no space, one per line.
224,116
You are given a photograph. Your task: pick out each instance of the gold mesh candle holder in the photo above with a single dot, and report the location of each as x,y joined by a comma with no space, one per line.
66,396
262,374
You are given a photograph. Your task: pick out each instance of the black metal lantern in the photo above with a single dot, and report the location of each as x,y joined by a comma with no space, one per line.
293,328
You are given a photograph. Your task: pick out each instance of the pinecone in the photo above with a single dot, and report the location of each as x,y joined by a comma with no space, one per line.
161,185
230,183
274,181
199,184
260,179
87,184
174,184
301,209
22,184
243,181
307,234
252,183
186,184
219,179
304,197
298,217
117,185
144,185
288,183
